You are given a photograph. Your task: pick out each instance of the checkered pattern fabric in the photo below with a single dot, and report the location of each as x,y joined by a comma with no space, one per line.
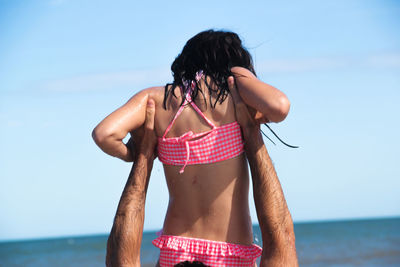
175,249
220,143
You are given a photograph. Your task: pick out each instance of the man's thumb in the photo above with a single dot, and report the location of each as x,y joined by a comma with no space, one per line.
150,111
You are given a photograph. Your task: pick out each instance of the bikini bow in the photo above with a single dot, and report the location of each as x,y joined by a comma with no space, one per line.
185,139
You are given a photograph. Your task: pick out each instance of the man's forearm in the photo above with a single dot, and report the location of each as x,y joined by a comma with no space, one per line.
123,246
273,214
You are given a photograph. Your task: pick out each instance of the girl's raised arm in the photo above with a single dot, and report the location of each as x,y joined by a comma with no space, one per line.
272,103
110,132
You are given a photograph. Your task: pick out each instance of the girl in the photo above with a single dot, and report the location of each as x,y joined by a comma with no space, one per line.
201,148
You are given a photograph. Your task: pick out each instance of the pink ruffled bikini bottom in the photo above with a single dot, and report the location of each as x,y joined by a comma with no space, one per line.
176,249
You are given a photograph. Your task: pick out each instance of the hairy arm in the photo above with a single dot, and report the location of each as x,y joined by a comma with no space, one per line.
123,245
269,101
273,214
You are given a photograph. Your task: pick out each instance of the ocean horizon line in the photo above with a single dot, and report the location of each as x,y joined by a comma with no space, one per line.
297,222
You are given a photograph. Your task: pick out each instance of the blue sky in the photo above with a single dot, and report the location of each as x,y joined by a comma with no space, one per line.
65,65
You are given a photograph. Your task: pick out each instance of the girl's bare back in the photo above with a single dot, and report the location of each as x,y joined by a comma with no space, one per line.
208,201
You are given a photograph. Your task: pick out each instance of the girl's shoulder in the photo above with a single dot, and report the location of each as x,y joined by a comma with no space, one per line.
155,92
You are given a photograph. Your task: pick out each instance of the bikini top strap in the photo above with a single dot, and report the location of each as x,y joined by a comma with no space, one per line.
174,119
188,100
202,114
188,88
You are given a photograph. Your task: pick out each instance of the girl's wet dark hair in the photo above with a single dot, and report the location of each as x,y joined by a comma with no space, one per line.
214,52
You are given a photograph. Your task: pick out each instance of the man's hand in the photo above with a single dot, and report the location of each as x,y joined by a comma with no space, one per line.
143,140
273,214
123,245
247,120
243,116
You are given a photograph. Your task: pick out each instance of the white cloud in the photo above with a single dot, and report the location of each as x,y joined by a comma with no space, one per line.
389,60
14,123
383,60
139,79
57,2
114,80
309,64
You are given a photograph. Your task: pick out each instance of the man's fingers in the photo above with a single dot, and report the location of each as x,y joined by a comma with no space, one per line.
243,116
240,106
242,113
150,111
232,88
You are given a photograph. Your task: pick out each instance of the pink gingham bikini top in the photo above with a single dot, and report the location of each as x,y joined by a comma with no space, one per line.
219,143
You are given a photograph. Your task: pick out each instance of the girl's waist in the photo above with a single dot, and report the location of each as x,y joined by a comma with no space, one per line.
219,225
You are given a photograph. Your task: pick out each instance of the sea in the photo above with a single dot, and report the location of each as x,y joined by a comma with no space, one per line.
372,242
